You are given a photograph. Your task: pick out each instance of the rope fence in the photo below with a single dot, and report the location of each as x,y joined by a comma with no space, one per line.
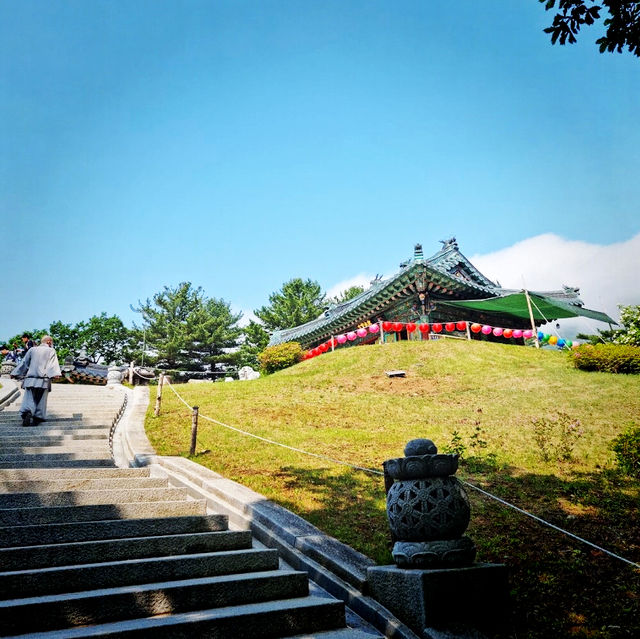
195,410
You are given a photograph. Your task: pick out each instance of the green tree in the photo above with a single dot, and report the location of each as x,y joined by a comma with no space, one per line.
212,332
298,301
106,339
185,330
629,334
66,339
347,294
622,25
255,340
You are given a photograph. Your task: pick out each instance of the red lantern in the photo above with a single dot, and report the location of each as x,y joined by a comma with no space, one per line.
424,328
411,327
507,333
450,326
461,326
333,342
323,348
316,352
476,328
387,326
437,328
398,326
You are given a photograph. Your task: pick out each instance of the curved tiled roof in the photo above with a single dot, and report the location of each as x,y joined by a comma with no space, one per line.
447,274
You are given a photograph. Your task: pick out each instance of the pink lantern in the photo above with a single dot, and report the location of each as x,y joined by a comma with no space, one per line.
351,336
497,331
341,339
374,328
517,334
486,329
361,332
528,334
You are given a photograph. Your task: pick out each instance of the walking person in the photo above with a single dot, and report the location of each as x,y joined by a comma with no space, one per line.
39,366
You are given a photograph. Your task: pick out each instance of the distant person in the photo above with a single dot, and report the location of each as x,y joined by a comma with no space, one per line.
9,355
27,341
38,368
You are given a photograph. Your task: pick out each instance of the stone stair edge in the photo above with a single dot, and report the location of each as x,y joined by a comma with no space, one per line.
9,392
351,565
171,625
313,552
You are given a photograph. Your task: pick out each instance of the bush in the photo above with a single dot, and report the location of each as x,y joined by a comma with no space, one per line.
557,437
626,447
609,358
275,358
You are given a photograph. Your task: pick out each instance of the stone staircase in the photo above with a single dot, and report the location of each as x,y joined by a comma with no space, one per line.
91,550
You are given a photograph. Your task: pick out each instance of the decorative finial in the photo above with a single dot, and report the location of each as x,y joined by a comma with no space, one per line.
450,243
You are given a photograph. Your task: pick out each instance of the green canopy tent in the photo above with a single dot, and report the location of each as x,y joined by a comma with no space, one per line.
543,309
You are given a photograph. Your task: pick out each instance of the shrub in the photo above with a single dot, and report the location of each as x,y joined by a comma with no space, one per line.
609,358
275,358
557,437
626,447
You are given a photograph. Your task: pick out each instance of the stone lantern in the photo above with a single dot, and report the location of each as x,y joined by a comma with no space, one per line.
435,586
428,508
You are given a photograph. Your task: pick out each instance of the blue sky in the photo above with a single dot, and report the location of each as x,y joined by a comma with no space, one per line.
237,144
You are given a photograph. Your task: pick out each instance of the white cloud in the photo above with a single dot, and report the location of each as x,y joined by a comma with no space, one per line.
362,279
607,275
247,316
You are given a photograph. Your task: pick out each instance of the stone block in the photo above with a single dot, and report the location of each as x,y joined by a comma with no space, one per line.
475,596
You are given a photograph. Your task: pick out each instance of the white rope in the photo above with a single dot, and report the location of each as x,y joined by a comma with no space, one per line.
546,523
378,472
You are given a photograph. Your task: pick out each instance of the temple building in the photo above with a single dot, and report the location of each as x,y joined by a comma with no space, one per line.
442,289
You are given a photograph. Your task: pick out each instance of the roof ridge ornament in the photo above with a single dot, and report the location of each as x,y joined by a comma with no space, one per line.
450,243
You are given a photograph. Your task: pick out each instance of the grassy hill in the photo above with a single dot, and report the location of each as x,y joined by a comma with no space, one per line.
480,398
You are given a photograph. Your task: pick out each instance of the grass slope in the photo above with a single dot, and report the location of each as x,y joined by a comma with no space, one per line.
344,406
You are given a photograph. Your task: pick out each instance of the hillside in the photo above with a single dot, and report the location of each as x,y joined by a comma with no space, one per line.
481,397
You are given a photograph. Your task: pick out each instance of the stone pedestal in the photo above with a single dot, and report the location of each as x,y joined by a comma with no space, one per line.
114,376
441,599
6,368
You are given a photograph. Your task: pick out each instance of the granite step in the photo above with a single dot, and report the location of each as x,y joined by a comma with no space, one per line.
63,485
38,474
58,464
22,438
69,532
129,572
61,514
90,497
88,455
32,448
108,605
280,618
87,552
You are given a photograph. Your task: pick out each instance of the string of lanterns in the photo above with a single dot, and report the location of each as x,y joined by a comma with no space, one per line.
411,327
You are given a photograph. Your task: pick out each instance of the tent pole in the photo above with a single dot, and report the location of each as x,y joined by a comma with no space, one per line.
533,324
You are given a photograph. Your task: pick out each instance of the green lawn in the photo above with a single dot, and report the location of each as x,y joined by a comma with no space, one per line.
344,406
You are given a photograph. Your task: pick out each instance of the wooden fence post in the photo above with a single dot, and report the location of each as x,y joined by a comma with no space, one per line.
194,430
156,412
131,373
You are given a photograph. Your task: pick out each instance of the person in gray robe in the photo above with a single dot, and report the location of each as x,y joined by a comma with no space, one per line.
38,367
